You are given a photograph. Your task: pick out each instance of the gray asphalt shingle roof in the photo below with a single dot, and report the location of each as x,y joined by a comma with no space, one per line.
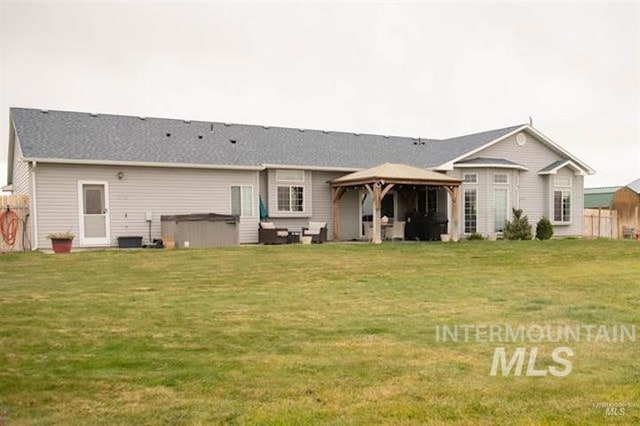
635,186
105,137
553,166
480,161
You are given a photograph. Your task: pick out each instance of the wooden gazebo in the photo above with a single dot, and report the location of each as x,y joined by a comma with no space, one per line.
379,180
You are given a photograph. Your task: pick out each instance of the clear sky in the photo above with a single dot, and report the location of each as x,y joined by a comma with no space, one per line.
411,69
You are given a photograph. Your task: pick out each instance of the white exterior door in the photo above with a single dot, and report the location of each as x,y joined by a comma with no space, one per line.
94,213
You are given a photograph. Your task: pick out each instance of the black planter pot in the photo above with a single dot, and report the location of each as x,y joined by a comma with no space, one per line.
129,242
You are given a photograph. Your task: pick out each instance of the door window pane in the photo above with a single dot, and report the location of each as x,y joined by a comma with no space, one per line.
95,226
93,199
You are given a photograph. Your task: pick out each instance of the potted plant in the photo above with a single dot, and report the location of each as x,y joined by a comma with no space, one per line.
61,242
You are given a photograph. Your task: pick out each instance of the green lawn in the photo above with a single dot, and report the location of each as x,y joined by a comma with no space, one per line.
337,334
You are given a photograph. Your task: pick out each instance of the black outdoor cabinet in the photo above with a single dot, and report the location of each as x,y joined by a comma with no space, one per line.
425,227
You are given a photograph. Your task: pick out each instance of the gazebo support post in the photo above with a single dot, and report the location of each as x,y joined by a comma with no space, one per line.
336,194
378,195
454,193
376,238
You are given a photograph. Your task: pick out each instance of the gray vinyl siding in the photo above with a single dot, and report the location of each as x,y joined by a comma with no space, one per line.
533,189
162,191
21,172
21,180
321,208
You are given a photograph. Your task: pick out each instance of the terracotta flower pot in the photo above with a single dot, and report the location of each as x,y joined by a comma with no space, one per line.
61,245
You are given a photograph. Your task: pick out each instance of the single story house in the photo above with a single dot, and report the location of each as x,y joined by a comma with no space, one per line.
101,176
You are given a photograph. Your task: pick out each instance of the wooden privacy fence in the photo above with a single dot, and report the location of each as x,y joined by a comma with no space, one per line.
600,223
14,211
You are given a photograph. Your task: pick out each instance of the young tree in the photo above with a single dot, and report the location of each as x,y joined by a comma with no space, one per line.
544,230
519,228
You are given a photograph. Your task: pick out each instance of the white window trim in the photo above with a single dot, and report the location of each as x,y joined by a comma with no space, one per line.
464,231
94,242
564,189
507,208
553,206
272,195
501,174
556,185
304,191
253,199
464,178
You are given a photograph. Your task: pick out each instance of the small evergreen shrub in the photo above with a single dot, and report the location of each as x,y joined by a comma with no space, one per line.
475,237
519,228
544,230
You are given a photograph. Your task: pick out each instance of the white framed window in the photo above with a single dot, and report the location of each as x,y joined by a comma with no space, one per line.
285,175
562,199
290,198
290,193
562,206
242,200
501,178
470,178
470,211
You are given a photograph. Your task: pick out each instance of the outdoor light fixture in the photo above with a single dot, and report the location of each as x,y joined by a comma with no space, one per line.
120,175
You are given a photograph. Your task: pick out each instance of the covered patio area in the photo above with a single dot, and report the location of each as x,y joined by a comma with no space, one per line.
403,179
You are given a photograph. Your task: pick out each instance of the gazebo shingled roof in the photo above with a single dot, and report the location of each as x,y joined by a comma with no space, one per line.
392,173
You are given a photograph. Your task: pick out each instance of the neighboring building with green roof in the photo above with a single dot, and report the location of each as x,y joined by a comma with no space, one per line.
596,198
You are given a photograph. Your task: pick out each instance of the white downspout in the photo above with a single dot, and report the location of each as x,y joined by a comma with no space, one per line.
34,207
